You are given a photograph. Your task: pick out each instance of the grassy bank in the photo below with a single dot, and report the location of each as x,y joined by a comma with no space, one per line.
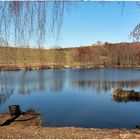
106,55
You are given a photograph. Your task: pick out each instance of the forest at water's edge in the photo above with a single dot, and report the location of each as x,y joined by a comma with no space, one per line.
103,55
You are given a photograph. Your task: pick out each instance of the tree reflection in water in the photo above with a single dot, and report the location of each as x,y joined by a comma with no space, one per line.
5,90
57,81
28,82
41,78
106,85
40,81
125,99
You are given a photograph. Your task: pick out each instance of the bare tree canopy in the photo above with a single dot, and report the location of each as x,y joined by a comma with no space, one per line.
135,33
25,22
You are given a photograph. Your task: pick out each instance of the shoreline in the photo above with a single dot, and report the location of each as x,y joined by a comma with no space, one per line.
29,127
46,67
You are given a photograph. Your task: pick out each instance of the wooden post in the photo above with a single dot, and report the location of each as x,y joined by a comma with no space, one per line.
14,110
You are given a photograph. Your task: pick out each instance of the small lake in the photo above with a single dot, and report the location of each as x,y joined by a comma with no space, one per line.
76,97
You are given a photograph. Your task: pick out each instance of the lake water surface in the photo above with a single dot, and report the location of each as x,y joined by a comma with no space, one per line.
77,97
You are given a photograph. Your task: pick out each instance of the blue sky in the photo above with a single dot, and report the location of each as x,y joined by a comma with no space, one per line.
89,22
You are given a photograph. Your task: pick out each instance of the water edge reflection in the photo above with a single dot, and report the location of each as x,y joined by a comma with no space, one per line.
106,85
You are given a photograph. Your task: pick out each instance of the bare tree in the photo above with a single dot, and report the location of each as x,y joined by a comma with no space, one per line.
25,22
135,33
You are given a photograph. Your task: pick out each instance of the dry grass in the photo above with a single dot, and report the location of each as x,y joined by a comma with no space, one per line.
21,131
28,126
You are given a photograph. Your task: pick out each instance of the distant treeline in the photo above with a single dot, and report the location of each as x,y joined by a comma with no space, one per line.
109,55
105,55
